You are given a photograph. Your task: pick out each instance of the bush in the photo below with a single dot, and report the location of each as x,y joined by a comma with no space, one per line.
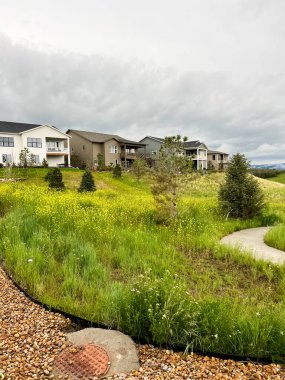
45,163
117,171
240,196
54,177
101,162
76,162
87,182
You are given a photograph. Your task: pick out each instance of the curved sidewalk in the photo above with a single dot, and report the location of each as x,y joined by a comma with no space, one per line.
251,239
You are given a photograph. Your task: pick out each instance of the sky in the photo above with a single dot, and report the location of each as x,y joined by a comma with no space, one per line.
211,70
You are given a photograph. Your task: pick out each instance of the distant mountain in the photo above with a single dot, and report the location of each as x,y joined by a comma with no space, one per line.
269,166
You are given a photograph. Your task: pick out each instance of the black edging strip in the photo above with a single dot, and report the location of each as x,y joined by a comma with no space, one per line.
82,322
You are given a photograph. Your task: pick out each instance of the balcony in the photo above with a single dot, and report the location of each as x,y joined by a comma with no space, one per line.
127,155
57,151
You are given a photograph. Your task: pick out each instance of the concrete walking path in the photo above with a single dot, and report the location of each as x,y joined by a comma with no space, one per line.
251,239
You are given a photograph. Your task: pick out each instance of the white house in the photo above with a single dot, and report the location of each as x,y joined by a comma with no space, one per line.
43,141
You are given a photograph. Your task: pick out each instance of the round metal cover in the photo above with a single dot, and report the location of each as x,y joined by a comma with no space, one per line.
81,362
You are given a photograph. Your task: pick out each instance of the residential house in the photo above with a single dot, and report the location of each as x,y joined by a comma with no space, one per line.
43,141
115,149
153,145
196,149
217,160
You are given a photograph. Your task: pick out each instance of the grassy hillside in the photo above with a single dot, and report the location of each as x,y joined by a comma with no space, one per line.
279,178
102,257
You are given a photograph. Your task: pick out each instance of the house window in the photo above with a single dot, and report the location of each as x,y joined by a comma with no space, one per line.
6,158
83,147
214,157
36,158
113,149
6,141
34,142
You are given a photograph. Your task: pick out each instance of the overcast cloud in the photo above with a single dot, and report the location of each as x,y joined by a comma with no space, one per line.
212,70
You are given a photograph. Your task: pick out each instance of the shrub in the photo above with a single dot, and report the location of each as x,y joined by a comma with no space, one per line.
87,182
54,178
117,171
240,195
76,162
101,162
45,163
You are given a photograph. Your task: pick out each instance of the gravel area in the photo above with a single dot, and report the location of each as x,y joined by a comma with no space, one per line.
31,338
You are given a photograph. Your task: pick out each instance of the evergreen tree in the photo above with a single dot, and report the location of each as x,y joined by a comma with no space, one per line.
54,177
87,182
170,174
240,195
117,171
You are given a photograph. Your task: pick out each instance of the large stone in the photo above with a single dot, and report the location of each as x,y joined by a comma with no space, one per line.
120,347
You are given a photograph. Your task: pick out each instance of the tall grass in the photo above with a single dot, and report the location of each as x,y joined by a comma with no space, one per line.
101,256
275,237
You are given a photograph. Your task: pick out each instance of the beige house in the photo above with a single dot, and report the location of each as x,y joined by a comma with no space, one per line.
217,160
115,149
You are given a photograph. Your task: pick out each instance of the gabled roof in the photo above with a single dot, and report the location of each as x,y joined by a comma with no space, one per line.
210,151
96,137
10,127
158,139
193,144
187,144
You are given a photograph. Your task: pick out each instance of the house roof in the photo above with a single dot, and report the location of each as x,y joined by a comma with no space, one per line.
159,139
96,137
187,144
193,144
18,128
210,151
11,127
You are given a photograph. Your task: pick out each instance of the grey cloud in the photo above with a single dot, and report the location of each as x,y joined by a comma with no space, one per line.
135,99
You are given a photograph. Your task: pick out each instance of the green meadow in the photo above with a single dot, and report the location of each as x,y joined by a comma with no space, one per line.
101,256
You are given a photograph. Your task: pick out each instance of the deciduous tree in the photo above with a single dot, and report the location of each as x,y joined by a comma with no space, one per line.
139,168
170,172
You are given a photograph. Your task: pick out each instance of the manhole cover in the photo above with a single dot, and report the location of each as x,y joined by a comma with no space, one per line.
83,361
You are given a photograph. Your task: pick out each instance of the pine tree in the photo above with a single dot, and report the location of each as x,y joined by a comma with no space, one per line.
240,195
87,182
54,178
117,171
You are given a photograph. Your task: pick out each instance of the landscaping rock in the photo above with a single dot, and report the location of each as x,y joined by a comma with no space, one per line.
120,347
31,339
